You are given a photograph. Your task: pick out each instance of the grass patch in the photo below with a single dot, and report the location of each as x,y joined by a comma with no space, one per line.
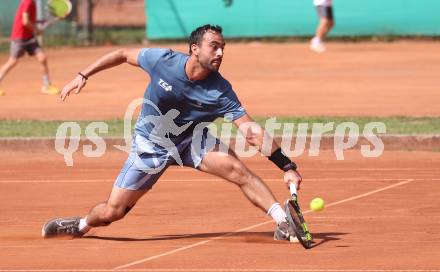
37,128
394,125
101,36
68,35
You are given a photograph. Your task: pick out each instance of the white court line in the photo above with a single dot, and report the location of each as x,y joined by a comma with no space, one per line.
54,181
369,193
202,179
187,169
221,270
254,226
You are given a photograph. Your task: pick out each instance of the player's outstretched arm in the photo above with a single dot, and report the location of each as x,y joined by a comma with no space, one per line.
107,61
256,136
26,21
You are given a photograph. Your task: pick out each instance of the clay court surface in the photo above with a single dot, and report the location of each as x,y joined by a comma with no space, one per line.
369,79
382,213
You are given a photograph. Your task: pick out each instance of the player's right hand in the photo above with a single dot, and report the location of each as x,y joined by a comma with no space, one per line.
76,84
294,177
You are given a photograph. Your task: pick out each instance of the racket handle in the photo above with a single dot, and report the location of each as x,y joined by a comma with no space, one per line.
292,187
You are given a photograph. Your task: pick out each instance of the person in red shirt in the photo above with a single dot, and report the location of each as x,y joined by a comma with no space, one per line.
23,40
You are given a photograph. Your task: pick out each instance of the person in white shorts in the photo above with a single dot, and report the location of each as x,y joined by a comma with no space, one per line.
326,23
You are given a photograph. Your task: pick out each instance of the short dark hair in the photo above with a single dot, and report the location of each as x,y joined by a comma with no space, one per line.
197,35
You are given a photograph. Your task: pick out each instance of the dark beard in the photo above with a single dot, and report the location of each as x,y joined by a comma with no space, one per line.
208,66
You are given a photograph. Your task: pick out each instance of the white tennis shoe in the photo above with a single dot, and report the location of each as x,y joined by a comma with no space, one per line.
62,227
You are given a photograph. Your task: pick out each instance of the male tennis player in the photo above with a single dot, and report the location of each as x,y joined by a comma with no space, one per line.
191,85
23,40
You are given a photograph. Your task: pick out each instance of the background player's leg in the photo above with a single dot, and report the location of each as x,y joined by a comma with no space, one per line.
42,58
324,27
326,23
229,167
10,63
35,49
17,50
47,87
317,43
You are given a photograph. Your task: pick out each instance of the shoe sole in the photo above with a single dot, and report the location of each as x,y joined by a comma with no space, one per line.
51,90
50,93
316,50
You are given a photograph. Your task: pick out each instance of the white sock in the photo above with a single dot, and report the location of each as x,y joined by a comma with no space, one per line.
46,81
83,227
277,213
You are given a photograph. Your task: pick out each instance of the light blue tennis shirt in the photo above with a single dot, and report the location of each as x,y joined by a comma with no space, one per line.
170,89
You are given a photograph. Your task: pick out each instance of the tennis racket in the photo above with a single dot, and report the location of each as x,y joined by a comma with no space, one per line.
56,10
296,219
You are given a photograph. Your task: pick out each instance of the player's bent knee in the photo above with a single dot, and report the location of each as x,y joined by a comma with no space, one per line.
240,174
236,170
41,57
115,213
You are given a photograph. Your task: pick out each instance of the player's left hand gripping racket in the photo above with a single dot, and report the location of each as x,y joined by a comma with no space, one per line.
296,219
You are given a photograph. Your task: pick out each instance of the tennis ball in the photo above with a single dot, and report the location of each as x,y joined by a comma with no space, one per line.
317,204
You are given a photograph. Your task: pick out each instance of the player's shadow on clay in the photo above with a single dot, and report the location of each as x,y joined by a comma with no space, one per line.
248,237
324,237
